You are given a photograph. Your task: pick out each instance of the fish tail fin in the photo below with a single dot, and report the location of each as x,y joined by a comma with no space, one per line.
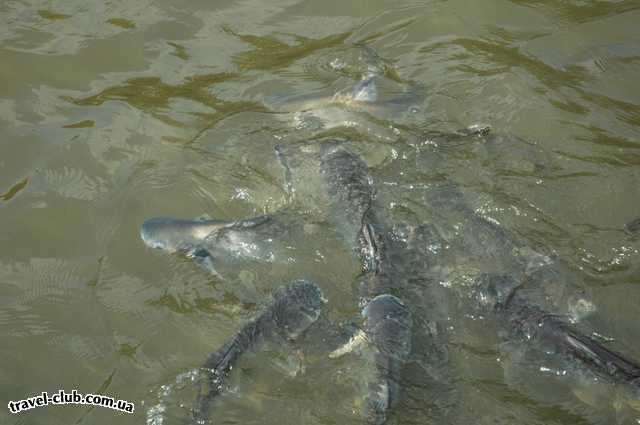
603,359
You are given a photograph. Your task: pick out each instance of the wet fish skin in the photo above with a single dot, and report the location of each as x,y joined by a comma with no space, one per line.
347,194
219,245
388,328
387,320
177,235
525,321
325,175
340,193
362,93
348,107
294,309
349,182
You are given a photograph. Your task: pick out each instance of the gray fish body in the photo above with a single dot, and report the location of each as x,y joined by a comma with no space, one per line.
328,187
220,244
362,106
388,328
334,186
325,183
328,177
329,181
362,93
294,309
524,321
227,248
387,320
236,238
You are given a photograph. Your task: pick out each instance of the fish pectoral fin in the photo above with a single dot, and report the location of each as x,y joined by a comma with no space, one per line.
356,341
202,257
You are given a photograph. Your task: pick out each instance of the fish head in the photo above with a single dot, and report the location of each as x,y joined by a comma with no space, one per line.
297,307
388,325
232,245
176,235
187,237
494,290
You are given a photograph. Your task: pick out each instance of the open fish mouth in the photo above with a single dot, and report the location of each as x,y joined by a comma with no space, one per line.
148,233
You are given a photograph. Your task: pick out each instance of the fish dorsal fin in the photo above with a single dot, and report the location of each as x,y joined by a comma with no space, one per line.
365,91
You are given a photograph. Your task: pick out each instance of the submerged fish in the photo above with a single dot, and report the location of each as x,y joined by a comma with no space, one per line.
387,332
293,310
328,186
369,106
387,320
524,321
330,183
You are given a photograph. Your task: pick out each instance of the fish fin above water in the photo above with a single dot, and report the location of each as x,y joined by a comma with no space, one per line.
282,155
365,91
376,65
204,260
370,248
494,290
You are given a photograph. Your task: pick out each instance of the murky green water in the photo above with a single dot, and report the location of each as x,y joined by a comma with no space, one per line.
115,111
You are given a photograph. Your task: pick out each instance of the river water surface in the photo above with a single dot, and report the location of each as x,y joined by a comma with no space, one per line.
115,111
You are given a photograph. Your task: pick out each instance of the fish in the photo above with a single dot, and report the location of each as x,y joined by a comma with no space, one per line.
328,182
369,106
387,330
524,320
294,308
327,186
221,246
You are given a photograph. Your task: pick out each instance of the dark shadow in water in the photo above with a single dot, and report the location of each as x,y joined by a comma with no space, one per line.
507,58
152,95
270,53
